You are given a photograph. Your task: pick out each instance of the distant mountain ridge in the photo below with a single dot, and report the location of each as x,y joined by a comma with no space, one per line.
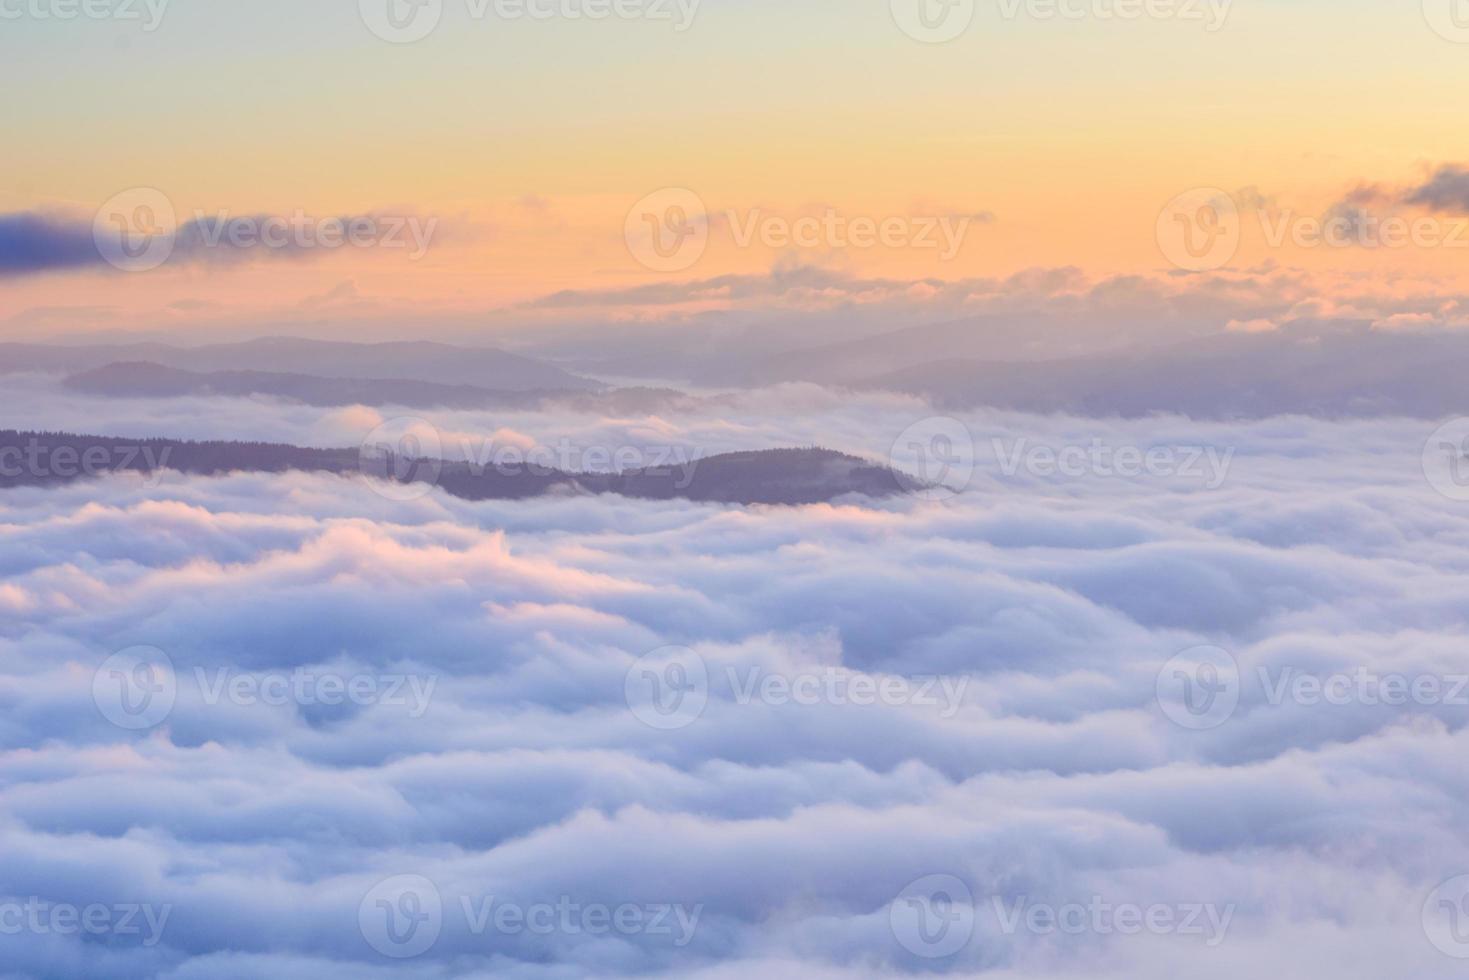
146,380
777,476
401,361
1062,362
1333,372
1024,337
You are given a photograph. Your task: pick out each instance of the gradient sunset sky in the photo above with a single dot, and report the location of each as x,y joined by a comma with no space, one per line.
1060,140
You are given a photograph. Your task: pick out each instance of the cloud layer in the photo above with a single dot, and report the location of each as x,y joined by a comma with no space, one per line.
516,765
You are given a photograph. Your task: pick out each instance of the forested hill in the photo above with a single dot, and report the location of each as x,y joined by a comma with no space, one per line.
777,476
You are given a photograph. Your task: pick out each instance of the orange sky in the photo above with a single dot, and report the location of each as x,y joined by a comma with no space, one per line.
1060,141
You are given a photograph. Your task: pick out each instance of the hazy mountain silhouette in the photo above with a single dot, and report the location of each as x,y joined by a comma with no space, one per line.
408,361
1023,337
1328,369
780,476
1332,372
1082,364
146,380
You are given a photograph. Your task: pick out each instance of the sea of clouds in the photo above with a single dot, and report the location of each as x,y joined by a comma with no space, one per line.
1053,725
